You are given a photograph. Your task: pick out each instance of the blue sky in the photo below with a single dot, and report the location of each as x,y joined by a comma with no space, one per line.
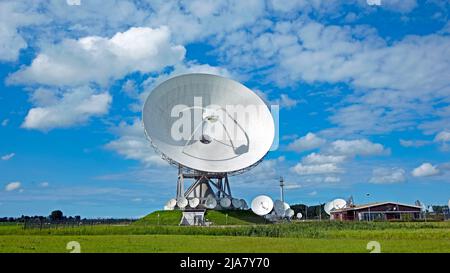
364,92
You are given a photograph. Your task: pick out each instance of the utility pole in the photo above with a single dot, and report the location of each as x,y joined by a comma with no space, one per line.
368,195
282,188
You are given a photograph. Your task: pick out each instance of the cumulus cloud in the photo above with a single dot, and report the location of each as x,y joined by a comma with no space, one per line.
8,156
308,142
73,107
15,15
316,158
426,169
414,143
13,186
387,176
100,60
326,168
132,144
357,147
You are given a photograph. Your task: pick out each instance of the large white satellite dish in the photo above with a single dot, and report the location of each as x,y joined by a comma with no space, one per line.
208,126
239,125
262,205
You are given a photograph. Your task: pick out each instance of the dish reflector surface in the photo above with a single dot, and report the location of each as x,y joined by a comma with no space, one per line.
208,123
171,203
299,215
236,203
211,203
262,205
225,202
278,206
194,202
182,202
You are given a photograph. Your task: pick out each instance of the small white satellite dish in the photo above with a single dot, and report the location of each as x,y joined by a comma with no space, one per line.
278,206
328,207
167,208
299,215
211,203
243,204
289,213
171,203
286,206
448,204
182,202
194,202
262,205
339,203
236,203
430,209
225,202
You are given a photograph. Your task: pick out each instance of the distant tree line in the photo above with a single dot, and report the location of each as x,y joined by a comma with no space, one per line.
58,216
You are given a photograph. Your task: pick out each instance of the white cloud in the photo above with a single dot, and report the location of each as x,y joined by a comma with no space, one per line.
361,147
13,16
414,143
308,142
315,158
326,168
387,176
74,107
426,169
100,60
313,193
331,179
5,122
132,144
44,184
13,186
8,156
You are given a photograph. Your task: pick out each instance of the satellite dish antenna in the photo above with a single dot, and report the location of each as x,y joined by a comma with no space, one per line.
211,203
448,204
194,202
168,208
236,203
339,203
289,213
262,205
278,207
430,209
209,127
225,202
328,207
182,202
243,204
299,215
286,206
171,203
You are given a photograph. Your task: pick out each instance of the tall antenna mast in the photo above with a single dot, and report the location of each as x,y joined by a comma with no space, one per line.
282,188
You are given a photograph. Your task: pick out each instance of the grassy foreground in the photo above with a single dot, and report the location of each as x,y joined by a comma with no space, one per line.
293,237
209,244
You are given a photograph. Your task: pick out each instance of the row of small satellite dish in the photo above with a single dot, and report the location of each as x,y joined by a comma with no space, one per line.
210,203
425,208
264,206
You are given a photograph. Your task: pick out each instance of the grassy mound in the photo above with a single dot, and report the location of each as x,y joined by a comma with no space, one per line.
235,217
166,218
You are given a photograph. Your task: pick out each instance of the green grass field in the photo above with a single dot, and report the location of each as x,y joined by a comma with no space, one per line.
293,237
